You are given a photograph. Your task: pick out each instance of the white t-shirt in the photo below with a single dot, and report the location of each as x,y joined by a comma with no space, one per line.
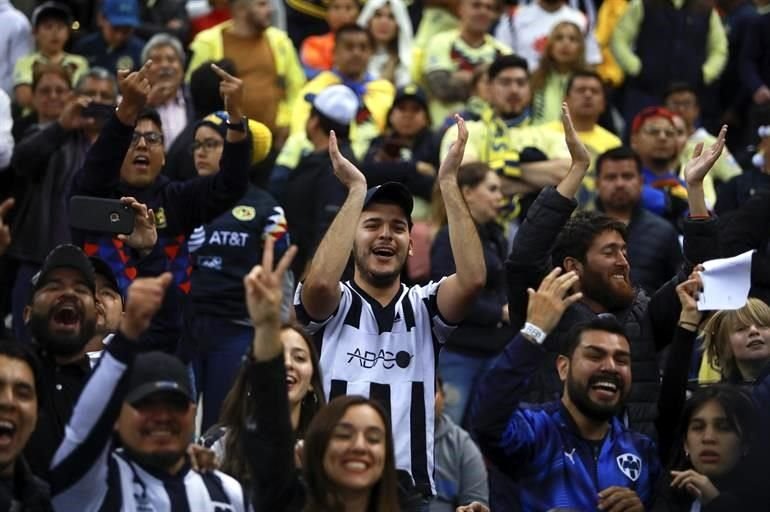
527,28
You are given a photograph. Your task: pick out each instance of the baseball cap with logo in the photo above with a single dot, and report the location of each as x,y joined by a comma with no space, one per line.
158,372
337,102
411,92
121,13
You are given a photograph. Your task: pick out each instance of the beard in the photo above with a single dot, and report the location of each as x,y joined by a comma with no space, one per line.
62,345
609,292
157,460
376,278
578,394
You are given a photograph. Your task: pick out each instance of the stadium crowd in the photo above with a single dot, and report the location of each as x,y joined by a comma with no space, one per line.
383,255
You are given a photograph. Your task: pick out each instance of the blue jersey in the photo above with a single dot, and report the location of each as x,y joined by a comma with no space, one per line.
540,447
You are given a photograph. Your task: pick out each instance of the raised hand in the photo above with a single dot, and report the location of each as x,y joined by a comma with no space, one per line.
548,303
688,292
264,285
580,157
71,116
231,90
145,296
145,235
5,229
451,164
135,86
698,485
702,160
348,174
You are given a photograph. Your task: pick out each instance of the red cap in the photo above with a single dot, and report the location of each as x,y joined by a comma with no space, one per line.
649,112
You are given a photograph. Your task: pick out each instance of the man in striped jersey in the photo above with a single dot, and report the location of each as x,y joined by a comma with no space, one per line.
377,337
146,397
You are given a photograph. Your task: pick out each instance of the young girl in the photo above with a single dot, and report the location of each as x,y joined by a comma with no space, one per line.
389,24
564,53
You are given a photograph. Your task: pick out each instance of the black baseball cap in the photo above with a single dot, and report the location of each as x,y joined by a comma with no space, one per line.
65,256
158,372
101,268
411,92
391,192
52,10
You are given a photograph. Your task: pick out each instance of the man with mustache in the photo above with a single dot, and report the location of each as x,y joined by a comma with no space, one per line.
653,244
61,318
573,453
594,246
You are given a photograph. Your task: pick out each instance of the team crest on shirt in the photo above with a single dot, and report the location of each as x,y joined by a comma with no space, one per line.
244,213
160,218
630,465
125,62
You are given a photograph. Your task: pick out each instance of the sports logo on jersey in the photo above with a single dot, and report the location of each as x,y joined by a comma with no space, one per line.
244,213
368,359
160,218
630,465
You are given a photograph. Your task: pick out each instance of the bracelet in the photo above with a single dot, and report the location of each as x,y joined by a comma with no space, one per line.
534,333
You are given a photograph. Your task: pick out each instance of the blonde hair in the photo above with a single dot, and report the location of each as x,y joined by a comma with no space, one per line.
717,331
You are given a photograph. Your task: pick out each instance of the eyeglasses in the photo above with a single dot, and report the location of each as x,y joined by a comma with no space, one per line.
150,138
657,132
207,144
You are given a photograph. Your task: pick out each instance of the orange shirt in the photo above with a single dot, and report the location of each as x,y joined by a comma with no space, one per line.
317,52
253,59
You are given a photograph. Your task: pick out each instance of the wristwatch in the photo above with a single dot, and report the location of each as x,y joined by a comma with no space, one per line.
534,333
239,126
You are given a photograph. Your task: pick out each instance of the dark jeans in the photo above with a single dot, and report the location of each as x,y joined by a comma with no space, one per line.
221,345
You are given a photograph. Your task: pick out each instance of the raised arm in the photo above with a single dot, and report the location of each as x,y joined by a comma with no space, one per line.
696,169
581,159
504,433
79,469
100,174
321,290
459,290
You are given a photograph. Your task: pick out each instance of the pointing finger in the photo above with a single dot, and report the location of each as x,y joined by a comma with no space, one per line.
286,260
221,73
267,253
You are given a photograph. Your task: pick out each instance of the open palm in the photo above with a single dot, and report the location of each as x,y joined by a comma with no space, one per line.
703,160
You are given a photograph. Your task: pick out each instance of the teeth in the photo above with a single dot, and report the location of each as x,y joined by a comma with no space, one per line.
606,385
355,466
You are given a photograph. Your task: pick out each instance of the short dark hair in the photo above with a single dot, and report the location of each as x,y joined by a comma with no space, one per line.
583,73
352,28
617,154
504,62
680,87
150,114
327,124
579,232
605,322
204,87
13,349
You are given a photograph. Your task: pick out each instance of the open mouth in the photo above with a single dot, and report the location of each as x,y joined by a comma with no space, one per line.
141,162
66,315
290,381
355,466
756,343
7,431
605,386
384,252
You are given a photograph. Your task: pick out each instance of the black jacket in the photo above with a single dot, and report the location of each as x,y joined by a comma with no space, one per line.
47,158
313,198
749,228
649,322
481,331
653,249
29,494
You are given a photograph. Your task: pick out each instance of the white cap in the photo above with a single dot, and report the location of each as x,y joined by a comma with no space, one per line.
337,102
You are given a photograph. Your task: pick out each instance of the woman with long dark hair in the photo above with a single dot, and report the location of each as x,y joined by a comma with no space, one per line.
348,457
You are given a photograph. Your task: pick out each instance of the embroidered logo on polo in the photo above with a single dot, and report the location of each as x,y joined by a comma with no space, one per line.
244,213
630,465
369,359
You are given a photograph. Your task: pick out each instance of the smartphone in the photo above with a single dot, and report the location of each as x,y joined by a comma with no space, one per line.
100,214
97,110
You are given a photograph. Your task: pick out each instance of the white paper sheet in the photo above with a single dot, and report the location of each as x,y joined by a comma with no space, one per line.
726,282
